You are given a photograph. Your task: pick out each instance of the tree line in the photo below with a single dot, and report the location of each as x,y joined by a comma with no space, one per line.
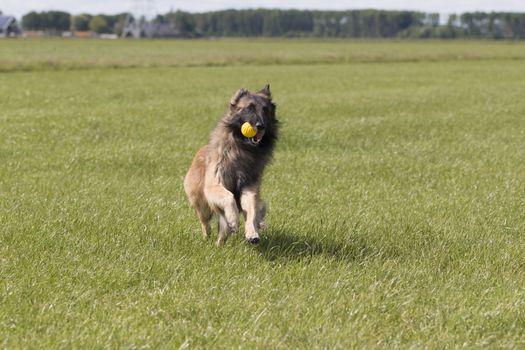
59,21
298,23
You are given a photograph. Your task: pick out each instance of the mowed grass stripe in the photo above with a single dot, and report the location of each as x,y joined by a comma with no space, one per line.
396,209
29,55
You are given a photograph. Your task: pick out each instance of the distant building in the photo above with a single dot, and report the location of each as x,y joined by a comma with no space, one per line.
8,26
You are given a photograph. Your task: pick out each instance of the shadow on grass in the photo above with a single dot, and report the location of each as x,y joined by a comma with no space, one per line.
282,245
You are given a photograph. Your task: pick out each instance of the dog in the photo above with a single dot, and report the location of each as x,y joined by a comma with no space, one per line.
225,175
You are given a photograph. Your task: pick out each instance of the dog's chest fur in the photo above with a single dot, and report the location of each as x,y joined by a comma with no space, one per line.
237,167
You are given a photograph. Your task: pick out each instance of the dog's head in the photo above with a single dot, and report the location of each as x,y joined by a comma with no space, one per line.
257,109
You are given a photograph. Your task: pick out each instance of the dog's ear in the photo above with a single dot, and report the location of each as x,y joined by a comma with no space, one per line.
266,91
235,98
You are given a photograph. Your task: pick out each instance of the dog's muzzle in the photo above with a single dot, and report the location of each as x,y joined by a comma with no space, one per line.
260,133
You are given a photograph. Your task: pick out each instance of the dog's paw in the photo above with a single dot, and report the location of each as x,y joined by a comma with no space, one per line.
253,240
252,237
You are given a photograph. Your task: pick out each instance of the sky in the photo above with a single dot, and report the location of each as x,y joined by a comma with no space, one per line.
20,7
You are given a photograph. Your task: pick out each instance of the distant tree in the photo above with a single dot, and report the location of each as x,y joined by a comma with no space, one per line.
272,23
184,22
48,21
291,23
32,21
80,22
230,27
119,23
98,24
303,23
250,22
58,20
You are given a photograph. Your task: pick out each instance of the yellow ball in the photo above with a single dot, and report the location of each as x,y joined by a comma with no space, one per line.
248,130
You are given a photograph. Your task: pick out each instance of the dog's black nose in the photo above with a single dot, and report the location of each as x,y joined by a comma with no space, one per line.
254,240
259,126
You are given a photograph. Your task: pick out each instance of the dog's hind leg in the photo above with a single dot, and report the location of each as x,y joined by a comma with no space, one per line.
205,218
223,230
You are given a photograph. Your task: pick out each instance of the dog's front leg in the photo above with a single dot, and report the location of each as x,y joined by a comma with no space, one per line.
250,205
223,202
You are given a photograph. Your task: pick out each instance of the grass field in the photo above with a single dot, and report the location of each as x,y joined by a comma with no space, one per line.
397,203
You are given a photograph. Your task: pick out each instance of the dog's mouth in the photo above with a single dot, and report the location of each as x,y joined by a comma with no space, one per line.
257,138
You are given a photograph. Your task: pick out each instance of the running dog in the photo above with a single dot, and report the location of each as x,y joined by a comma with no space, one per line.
225,175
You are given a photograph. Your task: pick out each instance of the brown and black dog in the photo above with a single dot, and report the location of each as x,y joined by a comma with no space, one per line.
225,175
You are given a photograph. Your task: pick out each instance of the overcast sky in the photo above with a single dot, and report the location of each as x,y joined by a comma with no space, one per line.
20,7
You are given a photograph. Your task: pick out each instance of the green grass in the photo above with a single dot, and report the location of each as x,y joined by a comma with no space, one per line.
397,205
63,54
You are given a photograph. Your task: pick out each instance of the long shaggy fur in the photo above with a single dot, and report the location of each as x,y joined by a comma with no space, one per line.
225,175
